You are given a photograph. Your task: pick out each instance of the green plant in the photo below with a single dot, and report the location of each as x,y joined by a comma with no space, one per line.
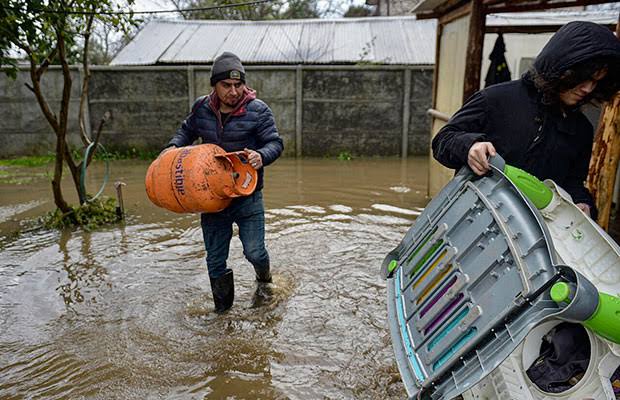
89,215
134,153
345,156
20,179
22,170
30,161
126,154
366,51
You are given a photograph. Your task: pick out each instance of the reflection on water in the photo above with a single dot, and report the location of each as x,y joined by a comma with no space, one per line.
126,311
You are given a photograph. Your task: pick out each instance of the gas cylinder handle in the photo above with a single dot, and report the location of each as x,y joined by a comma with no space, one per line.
241,155
241,168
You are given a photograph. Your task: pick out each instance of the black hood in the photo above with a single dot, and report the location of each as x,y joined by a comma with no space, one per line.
575,42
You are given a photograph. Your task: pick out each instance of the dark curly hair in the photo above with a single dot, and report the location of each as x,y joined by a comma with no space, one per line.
550,88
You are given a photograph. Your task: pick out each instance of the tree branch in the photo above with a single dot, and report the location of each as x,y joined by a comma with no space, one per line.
45,63
36,89
67,81
75,171
106,116
85,80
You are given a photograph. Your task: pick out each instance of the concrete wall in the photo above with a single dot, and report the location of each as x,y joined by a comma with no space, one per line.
319,111
23,128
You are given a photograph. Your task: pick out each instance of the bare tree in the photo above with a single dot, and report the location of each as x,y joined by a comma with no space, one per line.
57,32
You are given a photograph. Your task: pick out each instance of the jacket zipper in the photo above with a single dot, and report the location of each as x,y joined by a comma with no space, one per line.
536,140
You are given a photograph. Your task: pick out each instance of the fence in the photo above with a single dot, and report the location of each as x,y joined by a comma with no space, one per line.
364,110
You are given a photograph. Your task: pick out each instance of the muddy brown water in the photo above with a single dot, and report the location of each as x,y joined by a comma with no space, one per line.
125,312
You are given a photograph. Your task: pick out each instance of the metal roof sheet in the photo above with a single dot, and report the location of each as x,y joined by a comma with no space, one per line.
545,17
280,43
550,18
353,41
154,41
384,40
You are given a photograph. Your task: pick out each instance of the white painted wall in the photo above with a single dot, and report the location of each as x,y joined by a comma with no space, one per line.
518,46
521,46
449,93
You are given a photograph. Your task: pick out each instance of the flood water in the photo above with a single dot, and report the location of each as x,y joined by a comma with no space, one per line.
125,312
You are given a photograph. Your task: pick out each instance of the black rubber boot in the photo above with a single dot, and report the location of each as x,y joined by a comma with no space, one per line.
264,292
223,289
263,275
263,295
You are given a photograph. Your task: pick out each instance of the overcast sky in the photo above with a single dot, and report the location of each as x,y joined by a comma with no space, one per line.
148,5
152,5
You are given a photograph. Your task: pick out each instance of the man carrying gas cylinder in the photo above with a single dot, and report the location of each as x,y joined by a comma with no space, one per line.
234,119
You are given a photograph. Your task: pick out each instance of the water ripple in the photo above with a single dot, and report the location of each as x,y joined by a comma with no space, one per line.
127,312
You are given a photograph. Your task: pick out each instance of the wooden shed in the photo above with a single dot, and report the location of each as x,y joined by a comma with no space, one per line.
458,54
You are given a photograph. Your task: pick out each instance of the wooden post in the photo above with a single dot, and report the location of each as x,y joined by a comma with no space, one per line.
298,111
605,157
191,87
477,24
404,148
604,161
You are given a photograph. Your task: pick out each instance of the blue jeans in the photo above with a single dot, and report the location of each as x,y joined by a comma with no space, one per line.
249,215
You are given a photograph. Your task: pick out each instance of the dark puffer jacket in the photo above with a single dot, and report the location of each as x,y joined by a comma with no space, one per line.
250,125
546,141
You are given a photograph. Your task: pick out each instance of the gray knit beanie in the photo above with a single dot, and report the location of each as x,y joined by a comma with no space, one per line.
227,66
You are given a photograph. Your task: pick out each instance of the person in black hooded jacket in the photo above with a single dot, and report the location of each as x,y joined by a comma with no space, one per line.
535,122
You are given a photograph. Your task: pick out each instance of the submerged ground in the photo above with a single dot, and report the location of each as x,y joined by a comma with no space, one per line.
125,312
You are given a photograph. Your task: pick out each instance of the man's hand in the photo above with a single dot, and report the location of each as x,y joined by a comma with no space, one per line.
254,158
585,208
478,157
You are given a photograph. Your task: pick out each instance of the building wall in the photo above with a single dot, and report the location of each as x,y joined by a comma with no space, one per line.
146,106
23,128
521,50
319,111
449,92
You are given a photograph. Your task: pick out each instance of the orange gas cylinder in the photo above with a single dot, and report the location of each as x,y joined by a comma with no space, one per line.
202,178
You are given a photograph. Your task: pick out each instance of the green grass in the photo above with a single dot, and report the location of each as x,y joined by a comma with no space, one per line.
21,177
16,181
132,154
78,154
29,161
128,154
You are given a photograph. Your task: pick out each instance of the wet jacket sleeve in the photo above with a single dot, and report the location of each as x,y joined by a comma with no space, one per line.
186,134
271,145
466,127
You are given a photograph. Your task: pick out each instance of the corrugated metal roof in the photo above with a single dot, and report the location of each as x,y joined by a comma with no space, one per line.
550,18
383,40
425,6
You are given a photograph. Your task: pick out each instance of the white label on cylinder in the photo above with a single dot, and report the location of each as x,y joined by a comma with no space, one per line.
246,182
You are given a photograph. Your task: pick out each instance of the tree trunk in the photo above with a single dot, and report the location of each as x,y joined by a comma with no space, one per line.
64,115
36,72
604,162
477,25
59,200
85,80
605,156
